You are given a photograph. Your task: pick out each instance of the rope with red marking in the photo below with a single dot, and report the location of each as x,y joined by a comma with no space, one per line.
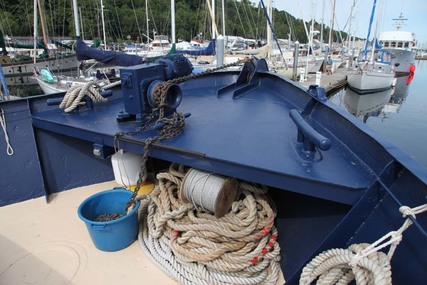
194,247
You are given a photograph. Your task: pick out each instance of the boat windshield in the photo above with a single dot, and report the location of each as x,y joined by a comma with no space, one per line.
380,56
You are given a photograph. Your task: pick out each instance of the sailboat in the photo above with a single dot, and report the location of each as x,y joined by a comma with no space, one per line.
374,71
18,71
110,60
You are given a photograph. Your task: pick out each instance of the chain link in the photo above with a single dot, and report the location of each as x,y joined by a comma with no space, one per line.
172,126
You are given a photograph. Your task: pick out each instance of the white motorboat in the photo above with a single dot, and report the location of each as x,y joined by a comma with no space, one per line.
402,46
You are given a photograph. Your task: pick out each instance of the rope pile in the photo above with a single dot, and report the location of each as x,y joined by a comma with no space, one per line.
364,262
194,247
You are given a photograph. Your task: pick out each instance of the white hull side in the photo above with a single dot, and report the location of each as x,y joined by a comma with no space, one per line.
405,58
49,88
370,81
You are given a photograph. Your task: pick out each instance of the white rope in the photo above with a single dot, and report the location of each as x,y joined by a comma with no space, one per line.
111,85
363,262
9,149
193,247
202,188
76,93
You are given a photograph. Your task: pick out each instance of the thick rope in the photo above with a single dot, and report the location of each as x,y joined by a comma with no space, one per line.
9,149
363,262
194,247
76,93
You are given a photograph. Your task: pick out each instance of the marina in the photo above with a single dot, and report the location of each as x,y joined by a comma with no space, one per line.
307,172
225,161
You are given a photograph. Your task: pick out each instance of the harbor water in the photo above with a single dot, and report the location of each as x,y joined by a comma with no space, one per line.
399,114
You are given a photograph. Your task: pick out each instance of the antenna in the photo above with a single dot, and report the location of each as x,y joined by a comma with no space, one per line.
399,22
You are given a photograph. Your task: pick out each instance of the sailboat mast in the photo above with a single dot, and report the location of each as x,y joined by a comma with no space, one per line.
375,37
212,13
81,23
331,32
173,20
42,22
269,32
323,20
223,17
370,26
76,19
103,25
146,16
213,19
35,31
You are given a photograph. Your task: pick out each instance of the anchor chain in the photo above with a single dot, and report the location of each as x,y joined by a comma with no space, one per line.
172,126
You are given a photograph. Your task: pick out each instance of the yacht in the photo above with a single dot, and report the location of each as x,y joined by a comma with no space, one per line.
402,45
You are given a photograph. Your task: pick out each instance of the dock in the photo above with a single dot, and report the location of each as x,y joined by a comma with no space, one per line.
332,82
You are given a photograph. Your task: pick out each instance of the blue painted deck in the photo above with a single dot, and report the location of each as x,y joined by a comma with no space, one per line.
261,149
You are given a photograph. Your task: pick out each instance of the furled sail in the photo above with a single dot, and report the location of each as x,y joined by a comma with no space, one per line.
108,57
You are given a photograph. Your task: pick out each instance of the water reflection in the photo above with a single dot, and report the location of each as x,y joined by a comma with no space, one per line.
366,105
400,93
377,104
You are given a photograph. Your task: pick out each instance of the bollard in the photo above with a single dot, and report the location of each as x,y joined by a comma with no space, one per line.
219,51
318,77
302,74
295,65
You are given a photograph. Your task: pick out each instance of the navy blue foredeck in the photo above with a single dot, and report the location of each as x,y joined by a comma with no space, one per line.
250,136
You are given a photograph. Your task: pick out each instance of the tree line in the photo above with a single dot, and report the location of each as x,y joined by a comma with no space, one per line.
127,20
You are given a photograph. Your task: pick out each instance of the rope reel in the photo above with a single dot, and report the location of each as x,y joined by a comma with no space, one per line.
212,192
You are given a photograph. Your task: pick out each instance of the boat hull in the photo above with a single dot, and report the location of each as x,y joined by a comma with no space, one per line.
56,65
370,81
48,88
402,60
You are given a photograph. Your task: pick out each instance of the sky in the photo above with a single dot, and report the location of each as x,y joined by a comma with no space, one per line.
414,10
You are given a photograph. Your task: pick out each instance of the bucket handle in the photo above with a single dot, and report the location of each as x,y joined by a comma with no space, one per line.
99,226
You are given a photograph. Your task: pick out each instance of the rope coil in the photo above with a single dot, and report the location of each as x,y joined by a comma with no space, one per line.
363,262
194,247
76,93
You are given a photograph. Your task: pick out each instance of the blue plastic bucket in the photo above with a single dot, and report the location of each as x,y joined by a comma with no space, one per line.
112,235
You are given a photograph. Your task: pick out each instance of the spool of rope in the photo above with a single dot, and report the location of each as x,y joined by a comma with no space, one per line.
211,192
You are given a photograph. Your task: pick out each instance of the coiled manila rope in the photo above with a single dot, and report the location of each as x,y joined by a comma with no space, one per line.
194,247
76,93
362,262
